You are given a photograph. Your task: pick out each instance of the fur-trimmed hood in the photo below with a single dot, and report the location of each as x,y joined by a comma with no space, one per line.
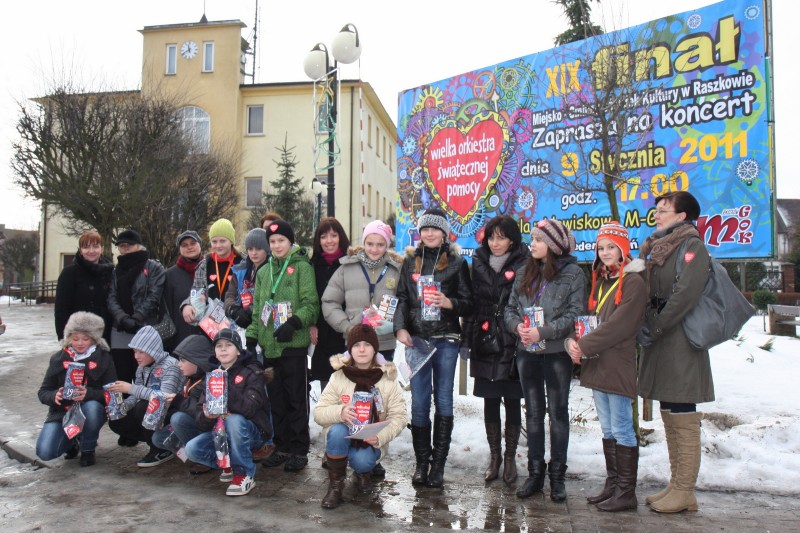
637,265
339,360
452,248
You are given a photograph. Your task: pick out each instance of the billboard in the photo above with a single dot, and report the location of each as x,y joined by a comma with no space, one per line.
679,103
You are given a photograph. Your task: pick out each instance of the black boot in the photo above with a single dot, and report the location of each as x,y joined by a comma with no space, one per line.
535,481
610,452
493,437
421,439
558,493
442,431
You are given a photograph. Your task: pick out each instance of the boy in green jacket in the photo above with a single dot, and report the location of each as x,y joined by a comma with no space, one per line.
286,294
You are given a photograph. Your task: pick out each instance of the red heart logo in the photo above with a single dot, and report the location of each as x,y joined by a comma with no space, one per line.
688,256
153,404
238,379
76,377
345,399
65,363
216,386
92,365
580,329
273,227
72,430
509,274
212,277
415,277
159,372
290,270
485,326
464,162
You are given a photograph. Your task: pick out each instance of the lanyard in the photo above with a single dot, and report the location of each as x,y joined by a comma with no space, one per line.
601,297
540,292
187,390
369,280
280,277
221,282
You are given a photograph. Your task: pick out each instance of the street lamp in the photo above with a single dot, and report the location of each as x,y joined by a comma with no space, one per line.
317,188
346,49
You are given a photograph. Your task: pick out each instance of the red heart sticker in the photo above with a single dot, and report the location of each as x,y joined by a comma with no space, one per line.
464,162
509,274
415,277
345,399
65,363
92,365
273,227
216,386
238,379
159,372
213,277
688,256
485,326
290,270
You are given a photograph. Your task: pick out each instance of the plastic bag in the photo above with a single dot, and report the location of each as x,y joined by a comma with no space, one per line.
74,421
221,444
416,356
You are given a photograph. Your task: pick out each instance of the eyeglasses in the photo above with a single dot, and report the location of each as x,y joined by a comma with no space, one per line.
664,211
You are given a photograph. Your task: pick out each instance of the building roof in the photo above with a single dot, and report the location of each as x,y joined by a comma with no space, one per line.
194,25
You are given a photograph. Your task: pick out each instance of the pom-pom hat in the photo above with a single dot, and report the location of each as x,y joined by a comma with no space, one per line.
618,235
555,235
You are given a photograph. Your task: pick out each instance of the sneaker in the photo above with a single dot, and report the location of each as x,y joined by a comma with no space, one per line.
240,486
296,463
259,454
277,459
155,457
87,458
227,475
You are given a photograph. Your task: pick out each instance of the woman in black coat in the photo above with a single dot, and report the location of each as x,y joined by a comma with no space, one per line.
84,285
494,267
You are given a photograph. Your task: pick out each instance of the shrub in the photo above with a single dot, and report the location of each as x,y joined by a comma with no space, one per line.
762,298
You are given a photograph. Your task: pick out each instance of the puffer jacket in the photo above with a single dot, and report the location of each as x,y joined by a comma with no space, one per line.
614,340
491,291
563,299
196,349
247,396
163,375
297,286
347,293
452,272
99,370
340,390
146,293
670,369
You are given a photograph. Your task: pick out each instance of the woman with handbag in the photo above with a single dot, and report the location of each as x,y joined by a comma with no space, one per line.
492,349
548,294
670,369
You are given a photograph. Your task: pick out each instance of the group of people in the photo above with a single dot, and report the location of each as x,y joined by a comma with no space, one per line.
514,316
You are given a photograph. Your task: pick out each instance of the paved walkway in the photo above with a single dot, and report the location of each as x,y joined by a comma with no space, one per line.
115,495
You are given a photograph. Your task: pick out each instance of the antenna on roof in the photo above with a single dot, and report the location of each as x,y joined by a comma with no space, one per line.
203,19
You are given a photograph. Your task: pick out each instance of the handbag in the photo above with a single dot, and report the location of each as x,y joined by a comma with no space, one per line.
490,342
165,326
721,311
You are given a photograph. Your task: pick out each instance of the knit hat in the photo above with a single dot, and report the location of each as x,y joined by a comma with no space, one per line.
222,228
434,218
555,235
148,341
128,237
280,227
617,234
376,227
362,332
88,323
256,238
188,234
231,336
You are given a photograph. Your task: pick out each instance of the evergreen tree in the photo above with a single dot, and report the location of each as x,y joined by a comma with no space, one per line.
578,14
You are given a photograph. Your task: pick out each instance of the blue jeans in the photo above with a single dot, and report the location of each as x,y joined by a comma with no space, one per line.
362,460
53,442
437,376
243,437
616,417
540,374
182,424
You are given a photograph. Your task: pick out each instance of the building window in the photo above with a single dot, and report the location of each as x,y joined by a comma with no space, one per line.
172,59
369,131
255,120
391,156
377,140
369,200
383,145
67,259
253,192
197,126
208,57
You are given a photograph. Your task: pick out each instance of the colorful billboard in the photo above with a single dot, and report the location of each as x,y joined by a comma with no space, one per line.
680,103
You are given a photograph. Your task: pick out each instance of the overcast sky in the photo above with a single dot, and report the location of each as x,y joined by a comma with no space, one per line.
405,45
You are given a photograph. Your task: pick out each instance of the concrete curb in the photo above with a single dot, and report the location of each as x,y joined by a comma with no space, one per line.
22,452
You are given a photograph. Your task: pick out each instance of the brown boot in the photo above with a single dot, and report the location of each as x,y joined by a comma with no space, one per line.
364,482
686,427
510,457
337,469
672,451
493,436
627,462
610,453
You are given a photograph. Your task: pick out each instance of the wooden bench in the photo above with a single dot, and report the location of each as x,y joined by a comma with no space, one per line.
783,319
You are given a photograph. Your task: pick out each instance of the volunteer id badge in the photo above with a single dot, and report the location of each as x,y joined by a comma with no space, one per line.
266,314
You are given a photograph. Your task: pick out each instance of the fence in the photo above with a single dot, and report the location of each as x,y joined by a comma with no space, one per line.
31,292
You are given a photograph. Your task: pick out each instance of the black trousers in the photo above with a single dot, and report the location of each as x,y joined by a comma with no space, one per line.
288,397
130,425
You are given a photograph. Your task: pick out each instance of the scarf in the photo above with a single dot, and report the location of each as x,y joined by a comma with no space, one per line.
129,267
365,380
101,269
660,245
189,265
608,273
498,261
331,257
369,263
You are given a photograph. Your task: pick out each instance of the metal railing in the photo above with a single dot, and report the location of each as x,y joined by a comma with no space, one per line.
31,292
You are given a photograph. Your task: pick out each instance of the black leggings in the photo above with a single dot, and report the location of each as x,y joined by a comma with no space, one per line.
676,408
491,411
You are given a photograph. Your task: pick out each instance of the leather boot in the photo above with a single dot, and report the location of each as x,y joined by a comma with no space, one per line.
625,490
421,439
510,457
672,451
610,453
557,471
364,482
442,431
337,469
535,481
686,427
493,436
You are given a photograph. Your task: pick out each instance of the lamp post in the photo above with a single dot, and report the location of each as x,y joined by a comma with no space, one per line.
317,188
346,49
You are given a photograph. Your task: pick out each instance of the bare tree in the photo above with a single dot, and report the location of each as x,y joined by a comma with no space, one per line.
18,254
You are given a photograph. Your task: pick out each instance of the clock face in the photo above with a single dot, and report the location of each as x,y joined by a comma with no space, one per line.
189,49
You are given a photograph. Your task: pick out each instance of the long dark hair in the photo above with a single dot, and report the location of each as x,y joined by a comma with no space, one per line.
325,225
537,271
505,226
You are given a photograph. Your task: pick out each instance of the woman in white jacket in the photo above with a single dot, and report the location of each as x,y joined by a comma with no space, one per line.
362,390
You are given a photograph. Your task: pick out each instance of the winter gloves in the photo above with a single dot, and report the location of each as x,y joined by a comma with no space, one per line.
129,324
285,332
243,317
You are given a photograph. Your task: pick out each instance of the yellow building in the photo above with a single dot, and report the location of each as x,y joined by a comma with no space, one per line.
204,63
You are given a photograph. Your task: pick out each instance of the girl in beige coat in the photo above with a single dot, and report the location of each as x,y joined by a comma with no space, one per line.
363,389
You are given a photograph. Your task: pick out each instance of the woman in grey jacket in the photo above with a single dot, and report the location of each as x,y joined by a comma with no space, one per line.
553,281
